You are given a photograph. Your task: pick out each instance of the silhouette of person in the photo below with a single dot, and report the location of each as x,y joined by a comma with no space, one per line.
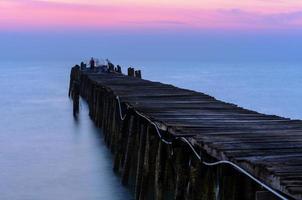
92,63
83,66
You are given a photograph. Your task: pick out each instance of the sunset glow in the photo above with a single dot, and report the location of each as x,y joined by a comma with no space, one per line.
150,14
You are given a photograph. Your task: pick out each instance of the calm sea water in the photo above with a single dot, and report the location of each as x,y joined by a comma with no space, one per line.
46,154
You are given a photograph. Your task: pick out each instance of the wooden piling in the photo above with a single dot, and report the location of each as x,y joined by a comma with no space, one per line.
76,97
131,72
143,190
182,171
74,76
140,161
128,153
138,74
160,170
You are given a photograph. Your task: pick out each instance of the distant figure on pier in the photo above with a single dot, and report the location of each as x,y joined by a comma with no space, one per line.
92,63
110,67
83,66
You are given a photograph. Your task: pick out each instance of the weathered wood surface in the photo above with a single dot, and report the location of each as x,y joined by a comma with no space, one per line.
267,146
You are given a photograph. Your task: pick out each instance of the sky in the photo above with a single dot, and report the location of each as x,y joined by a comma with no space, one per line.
150,14
217,29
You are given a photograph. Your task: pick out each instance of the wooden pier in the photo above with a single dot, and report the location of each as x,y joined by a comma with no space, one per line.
173,143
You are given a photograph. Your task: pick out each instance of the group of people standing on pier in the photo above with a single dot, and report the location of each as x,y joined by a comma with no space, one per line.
93,65
74,86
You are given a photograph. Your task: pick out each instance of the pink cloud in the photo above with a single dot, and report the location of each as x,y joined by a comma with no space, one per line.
21,15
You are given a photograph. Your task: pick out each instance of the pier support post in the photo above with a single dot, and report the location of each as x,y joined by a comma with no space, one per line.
145,173
74,76
140,162
265,195
182,172
122,139
128,156
74,88
138,74
76,97
131,72
193,190
233,185
160,170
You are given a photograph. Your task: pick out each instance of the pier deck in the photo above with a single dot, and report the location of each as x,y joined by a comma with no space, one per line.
269,147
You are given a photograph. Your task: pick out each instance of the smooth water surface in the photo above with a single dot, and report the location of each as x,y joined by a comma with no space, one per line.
46,154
